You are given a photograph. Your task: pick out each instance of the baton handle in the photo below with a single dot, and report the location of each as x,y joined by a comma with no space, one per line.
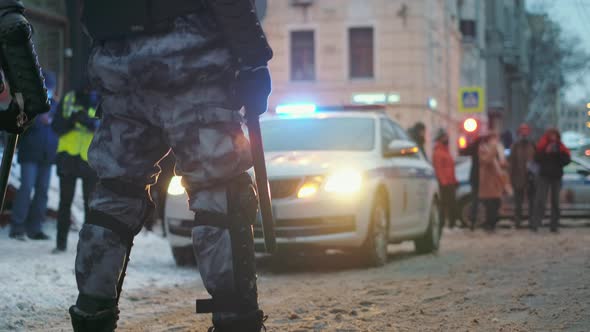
268,226
5,166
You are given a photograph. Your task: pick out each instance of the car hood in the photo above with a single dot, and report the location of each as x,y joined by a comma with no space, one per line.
306,163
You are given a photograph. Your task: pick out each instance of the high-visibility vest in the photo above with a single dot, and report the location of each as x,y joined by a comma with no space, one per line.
77,141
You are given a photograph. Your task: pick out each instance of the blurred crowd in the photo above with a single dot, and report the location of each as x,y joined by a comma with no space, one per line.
59,137
531,172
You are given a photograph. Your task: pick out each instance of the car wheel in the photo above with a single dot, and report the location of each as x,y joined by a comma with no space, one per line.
184,256
430,241
374,251
463,208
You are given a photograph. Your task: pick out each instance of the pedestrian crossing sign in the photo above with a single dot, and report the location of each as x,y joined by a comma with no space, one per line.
471,99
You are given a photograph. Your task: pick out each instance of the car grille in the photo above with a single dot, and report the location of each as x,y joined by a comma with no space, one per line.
284,188
310,226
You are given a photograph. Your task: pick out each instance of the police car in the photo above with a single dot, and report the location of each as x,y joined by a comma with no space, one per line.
347,180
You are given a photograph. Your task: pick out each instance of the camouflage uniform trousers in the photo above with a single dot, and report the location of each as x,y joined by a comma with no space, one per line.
162,93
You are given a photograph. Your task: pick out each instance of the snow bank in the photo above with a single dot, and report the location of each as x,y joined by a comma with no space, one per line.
34,281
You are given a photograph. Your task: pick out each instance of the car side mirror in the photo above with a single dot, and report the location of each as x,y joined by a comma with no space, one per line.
584,172
398,148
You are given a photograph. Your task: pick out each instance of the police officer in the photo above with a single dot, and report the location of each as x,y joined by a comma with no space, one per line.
173,75
75,124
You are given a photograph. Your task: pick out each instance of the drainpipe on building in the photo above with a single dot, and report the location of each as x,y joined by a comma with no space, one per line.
450,124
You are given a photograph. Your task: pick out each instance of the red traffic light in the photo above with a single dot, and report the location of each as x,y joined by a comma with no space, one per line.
470,125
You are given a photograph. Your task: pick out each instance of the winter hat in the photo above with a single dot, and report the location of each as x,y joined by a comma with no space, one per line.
419,126
440,134
487,132
524,129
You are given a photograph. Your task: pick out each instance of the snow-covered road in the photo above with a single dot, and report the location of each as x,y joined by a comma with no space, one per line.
512,280
33,281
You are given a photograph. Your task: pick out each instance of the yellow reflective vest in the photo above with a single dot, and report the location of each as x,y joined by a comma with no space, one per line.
76,141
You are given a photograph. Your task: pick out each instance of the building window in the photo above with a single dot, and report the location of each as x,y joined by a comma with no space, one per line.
361,52
302,56
468,29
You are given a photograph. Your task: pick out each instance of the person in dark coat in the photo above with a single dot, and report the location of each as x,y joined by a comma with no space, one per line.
522,154
551,157
472,150
418,135
36,155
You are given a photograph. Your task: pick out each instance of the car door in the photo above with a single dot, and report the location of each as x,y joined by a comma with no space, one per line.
420,175
575,190
401,177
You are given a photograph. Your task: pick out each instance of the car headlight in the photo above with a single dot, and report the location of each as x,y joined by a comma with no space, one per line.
310,187
344,182
308,190
175,187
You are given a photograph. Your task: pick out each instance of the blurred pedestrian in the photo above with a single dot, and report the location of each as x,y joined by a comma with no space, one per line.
491,177
507,139
444,167
36,155
75,123
418,134
472,150
551,156
522,154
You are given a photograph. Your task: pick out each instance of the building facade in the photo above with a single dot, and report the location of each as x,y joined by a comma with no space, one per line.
507,35
472,24
402,56
574,117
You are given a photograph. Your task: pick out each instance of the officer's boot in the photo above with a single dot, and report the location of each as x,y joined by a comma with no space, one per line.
92,314
100,321
251,322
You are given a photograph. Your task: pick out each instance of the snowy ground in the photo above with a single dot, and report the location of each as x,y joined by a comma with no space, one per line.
34,282
512,280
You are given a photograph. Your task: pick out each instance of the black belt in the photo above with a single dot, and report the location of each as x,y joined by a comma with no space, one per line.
118,19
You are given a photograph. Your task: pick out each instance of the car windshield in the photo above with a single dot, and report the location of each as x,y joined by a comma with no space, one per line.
327,134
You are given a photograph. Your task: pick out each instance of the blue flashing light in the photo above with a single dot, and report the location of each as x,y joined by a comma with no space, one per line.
296,109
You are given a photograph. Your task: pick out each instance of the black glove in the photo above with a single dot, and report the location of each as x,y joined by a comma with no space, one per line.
253,86
9,120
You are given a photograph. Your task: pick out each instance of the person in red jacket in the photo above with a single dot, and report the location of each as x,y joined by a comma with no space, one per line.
444,167
551,157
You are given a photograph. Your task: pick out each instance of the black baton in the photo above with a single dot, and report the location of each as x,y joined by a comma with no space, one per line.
268,224
5,167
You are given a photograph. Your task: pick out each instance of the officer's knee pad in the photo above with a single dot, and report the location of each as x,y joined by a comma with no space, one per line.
124,189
